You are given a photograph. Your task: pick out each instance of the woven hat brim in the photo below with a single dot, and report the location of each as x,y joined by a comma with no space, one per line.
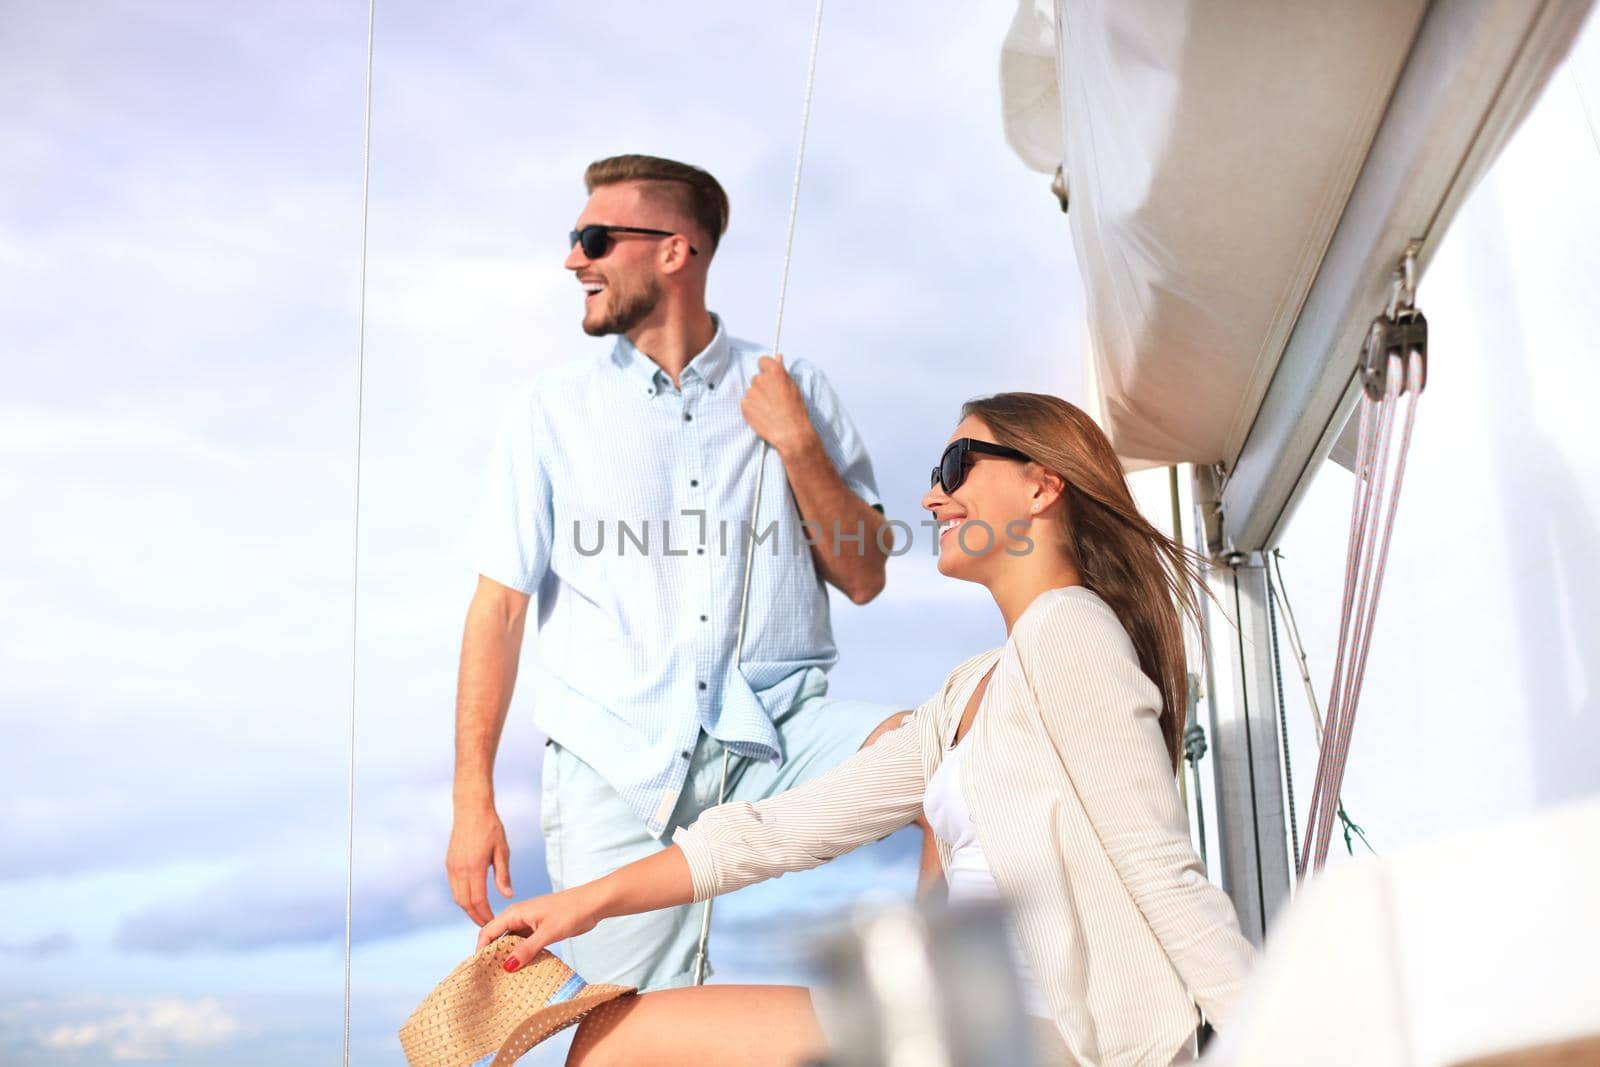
479,1009
552,1020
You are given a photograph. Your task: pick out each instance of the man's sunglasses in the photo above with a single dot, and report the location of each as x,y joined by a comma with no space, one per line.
952,468
597,240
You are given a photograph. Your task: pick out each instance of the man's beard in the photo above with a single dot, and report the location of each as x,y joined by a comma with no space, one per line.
628,309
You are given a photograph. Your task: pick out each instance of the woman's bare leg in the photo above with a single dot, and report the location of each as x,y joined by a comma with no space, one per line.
702,1026
722,1025
930,873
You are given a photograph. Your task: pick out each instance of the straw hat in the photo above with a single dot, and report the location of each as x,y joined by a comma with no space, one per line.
480,1009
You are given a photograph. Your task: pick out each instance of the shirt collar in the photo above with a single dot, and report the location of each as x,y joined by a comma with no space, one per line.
709,363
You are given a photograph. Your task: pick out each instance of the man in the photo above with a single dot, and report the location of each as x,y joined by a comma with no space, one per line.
620,497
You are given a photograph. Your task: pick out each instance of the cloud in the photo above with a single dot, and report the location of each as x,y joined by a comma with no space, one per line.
151,1030
199,1030
284,896
51,944
252,913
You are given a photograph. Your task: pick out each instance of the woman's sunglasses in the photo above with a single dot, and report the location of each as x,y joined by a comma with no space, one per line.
952,468
597,240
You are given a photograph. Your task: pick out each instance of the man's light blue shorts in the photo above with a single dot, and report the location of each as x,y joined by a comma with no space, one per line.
589,831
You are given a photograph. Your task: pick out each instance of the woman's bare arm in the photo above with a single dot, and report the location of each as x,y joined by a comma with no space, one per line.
657,881
873,793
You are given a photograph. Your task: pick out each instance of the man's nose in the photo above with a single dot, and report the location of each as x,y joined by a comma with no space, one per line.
576,260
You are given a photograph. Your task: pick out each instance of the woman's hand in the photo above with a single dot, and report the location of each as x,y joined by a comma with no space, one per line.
542,921
660,880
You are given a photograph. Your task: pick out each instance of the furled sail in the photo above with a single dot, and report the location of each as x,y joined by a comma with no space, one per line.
1224,159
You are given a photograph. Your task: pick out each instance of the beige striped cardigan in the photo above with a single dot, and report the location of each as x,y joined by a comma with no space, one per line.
1073,801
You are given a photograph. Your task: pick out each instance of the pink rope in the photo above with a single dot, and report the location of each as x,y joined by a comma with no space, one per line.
1368,486
1371,533
1362,473
1339,732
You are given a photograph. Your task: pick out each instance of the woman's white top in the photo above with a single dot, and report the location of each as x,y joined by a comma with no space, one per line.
968,875
1070,784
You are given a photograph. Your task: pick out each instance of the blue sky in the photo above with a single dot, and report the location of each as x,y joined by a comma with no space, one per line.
179,231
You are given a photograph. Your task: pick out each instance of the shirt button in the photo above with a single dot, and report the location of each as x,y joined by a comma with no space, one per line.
693,482
687,417
703,619
684,753
702,685
699,551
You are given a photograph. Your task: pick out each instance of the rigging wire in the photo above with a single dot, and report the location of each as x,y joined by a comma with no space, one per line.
1283,726
1188,710
1280,592
761,461
1583,102
1249,745
355,554
1193,745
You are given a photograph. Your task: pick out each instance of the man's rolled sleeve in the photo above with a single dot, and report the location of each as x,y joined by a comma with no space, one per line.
840,438
515,525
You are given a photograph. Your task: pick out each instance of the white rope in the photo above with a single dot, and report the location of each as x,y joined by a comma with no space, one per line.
799,163
355,555
761,461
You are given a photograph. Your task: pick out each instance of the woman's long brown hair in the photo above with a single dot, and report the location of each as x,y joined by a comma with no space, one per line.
1140,572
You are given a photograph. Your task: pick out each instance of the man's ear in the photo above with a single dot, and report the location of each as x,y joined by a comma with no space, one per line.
677,253
674,255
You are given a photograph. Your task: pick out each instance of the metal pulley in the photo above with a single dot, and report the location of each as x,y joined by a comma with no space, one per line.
1398,339
1393,363
1397,342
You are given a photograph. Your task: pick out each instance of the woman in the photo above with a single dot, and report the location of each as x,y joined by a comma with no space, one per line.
1045,767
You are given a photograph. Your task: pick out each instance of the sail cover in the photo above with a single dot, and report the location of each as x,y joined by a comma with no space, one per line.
1210,149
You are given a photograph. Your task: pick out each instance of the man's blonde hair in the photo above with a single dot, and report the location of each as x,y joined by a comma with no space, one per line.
691,191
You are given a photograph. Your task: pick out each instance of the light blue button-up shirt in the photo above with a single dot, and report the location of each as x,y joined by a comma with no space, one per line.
622,504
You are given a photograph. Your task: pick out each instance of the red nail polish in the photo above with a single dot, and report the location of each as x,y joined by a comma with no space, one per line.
512,963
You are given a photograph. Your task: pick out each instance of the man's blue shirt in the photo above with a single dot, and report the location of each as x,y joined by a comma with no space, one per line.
622,504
